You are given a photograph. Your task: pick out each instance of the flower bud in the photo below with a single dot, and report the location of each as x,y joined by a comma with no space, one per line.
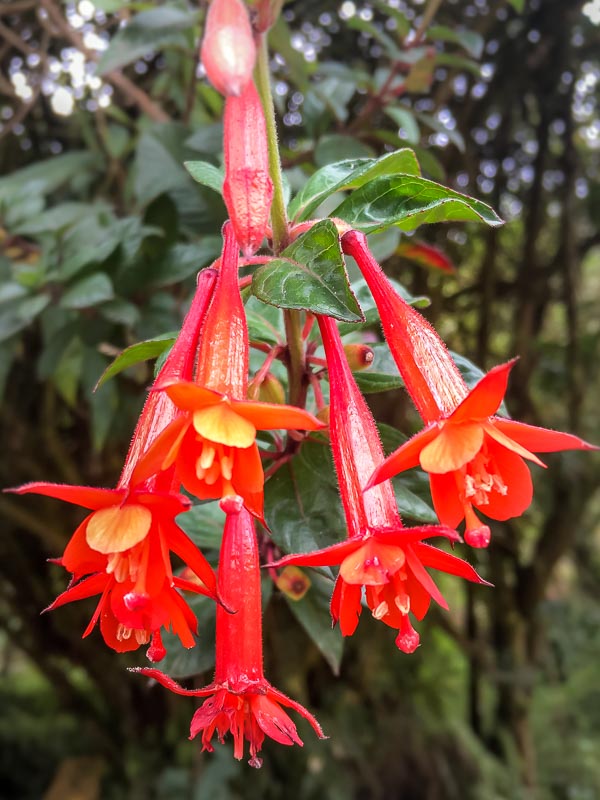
247,189
358,356
269,390
228,51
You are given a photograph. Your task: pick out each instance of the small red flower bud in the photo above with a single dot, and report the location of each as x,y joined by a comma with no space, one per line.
228,51
247,189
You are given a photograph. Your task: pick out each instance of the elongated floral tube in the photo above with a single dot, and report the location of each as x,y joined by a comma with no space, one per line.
124,545
212,445
228,51
380,556
474,458
240,699
248,188
432,379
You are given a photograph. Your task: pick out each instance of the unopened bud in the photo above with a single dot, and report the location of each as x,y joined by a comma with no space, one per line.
359,356
247,189
228,51
269,390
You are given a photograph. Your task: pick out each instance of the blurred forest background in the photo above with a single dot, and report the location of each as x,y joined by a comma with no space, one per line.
101,234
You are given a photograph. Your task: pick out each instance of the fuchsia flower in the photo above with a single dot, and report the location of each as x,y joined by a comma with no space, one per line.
124,545
474,458
228,51
212,444
248,188
380,554
240,699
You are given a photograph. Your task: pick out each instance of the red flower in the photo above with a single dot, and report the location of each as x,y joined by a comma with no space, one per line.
380,554
228,51
248,188
240,700
124,545
212,445
474,459
477,459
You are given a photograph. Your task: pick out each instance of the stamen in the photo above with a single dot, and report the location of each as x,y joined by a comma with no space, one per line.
381,610
402,601
207,457
123,633
142,637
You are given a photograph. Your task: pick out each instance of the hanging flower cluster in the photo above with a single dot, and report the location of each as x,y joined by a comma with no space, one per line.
198,430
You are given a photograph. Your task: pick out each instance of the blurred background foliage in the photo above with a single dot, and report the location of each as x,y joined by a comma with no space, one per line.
101,233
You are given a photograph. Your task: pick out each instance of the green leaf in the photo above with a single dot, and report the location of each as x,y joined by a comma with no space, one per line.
89,291
411,506
156,170
349,174
205,173
54,219
312,612
148,31
402,23
458,62
302,501
204,524
409,201
518,5
136,354
16,316
182,260
333,145
264,321
310,275
404,119
383,373
51,173
121,312
181,663
67,373
471,41
375,32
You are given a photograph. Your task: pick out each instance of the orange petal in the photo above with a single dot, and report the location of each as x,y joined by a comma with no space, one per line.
85,496
160,453
485,397
190,397
517,478
220,423
273,416
445,498
79,558
116,529
405,457
372,564
453,447
504,440
540,440
424,578
445,562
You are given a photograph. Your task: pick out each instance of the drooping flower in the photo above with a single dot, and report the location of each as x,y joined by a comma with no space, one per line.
240,699
474,458
382,556
212,444
228,51
124,545
247,188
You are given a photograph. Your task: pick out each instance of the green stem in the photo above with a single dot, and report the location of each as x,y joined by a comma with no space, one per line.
279,221
279,225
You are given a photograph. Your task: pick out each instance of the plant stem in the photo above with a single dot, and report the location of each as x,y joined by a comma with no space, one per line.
279,221
279,224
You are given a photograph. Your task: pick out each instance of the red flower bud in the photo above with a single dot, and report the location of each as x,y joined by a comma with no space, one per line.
247,189
228,51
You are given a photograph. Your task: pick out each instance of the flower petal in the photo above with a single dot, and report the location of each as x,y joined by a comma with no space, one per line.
189,396
181,544
220,423
446,501
517,478
169,683
84,496
405,457
540,440
504,440
85,588
453,447
485,397
273,720
373,564
326,557
79,558
116,529
275,416
445,562
424,578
